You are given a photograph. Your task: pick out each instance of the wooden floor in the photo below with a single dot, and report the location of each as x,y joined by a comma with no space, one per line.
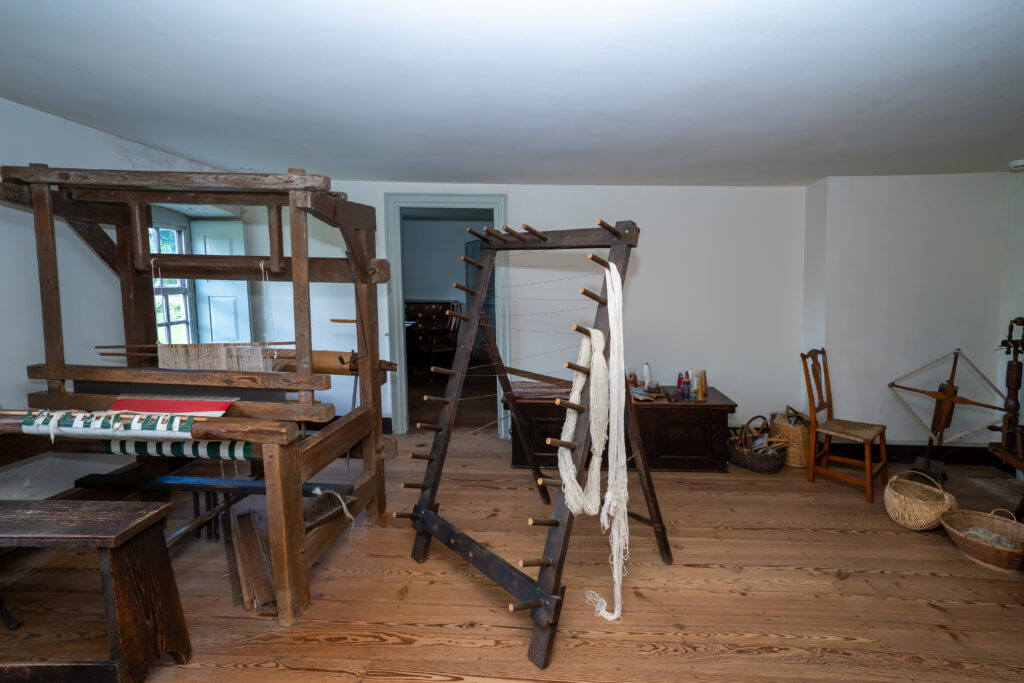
775,578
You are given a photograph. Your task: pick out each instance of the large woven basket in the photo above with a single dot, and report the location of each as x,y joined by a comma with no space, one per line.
798,436
752,447
957,523
915,505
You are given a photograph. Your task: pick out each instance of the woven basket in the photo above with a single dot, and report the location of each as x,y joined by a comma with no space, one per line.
752,448
798,436
915,505
956,523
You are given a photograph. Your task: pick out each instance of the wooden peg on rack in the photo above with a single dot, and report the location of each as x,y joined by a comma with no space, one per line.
551,441
535,562
443,371
471,262
414,485
452,313
550,521
562,403
464,288
422,456
474,233
344,320
495,234
593,295
524,605
428,427
405,515
536,233
435,399
599,261
604,226
513,233
549,481
581,329
577,367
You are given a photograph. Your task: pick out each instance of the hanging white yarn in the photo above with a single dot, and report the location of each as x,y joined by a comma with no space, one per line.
606,409
614,513
577,499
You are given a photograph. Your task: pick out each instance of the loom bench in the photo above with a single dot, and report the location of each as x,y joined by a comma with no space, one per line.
144,616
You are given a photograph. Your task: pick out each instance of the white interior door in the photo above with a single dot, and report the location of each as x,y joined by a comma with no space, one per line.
222,306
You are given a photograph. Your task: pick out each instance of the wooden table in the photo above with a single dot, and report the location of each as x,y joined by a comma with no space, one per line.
684,435
144,616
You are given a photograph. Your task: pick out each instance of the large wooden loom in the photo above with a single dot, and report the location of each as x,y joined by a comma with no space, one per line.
541,597
85,199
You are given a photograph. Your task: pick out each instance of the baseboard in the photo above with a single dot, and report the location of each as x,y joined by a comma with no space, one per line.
907,453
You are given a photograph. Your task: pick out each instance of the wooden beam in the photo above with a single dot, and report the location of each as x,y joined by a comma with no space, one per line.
49,283
334,440
187,180
223,197
548,379
300,295
206,267
585,238
262,410
276,239
212,378
137,311
97,239
13,193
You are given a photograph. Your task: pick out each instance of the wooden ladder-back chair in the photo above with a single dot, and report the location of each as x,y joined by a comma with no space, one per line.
819,397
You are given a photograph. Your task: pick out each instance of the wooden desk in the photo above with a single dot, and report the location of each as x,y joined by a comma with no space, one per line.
686,435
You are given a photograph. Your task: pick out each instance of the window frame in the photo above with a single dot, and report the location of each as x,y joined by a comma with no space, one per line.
185,287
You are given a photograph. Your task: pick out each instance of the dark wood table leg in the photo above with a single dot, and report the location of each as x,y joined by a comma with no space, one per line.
144,616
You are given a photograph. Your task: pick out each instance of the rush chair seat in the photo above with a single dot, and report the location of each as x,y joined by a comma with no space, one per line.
819,397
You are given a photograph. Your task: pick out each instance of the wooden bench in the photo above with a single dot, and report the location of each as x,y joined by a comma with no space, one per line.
144,616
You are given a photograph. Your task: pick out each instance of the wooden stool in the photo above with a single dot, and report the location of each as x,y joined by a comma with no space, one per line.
819,397
144,616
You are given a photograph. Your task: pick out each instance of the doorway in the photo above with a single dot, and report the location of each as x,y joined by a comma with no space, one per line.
425,236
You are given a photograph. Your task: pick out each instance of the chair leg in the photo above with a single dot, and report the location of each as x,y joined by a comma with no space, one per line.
811,456
828,450
885,461
867,470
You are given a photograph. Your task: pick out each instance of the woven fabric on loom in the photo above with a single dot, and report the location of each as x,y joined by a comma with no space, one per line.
213,450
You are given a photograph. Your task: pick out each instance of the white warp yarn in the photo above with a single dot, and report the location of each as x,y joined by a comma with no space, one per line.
607,424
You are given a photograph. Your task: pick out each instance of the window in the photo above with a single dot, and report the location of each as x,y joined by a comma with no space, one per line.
173,297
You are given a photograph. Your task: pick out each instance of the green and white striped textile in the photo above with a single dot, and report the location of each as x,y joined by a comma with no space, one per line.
105,423
213,450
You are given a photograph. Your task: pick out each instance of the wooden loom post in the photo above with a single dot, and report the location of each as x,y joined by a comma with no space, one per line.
137,307
285,531
49,283
300,294
368,361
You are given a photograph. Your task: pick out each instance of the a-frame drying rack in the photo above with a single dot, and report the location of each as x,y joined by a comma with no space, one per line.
543,596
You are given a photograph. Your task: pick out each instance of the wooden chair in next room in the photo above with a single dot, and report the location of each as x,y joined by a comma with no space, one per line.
820,398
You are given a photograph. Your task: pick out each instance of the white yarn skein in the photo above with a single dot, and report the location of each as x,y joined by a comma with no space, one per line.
614,513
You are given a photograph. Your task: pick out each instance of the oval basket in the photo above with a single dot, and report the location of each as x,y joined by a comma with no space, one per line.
764,459
915,505
798,436
957,522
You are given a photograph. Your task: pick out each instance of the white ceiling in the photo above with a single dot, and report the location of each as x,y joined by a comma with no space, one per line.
640,93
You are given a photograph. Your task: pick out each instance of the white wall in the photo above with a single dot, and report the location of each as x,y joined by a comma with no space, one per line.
815,282
915,266
90,293
716,281
430,263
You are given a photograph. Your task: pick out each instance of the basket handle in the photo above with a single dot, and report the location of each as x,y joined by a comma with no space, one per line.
922,474
748,433
1012,516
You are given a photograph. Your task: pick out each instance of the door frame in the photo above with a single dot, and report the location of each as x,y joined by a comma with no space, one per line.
393,205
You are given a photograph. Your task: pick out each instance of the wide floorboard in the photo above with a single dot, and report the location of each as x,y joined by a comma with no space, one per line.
774,578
